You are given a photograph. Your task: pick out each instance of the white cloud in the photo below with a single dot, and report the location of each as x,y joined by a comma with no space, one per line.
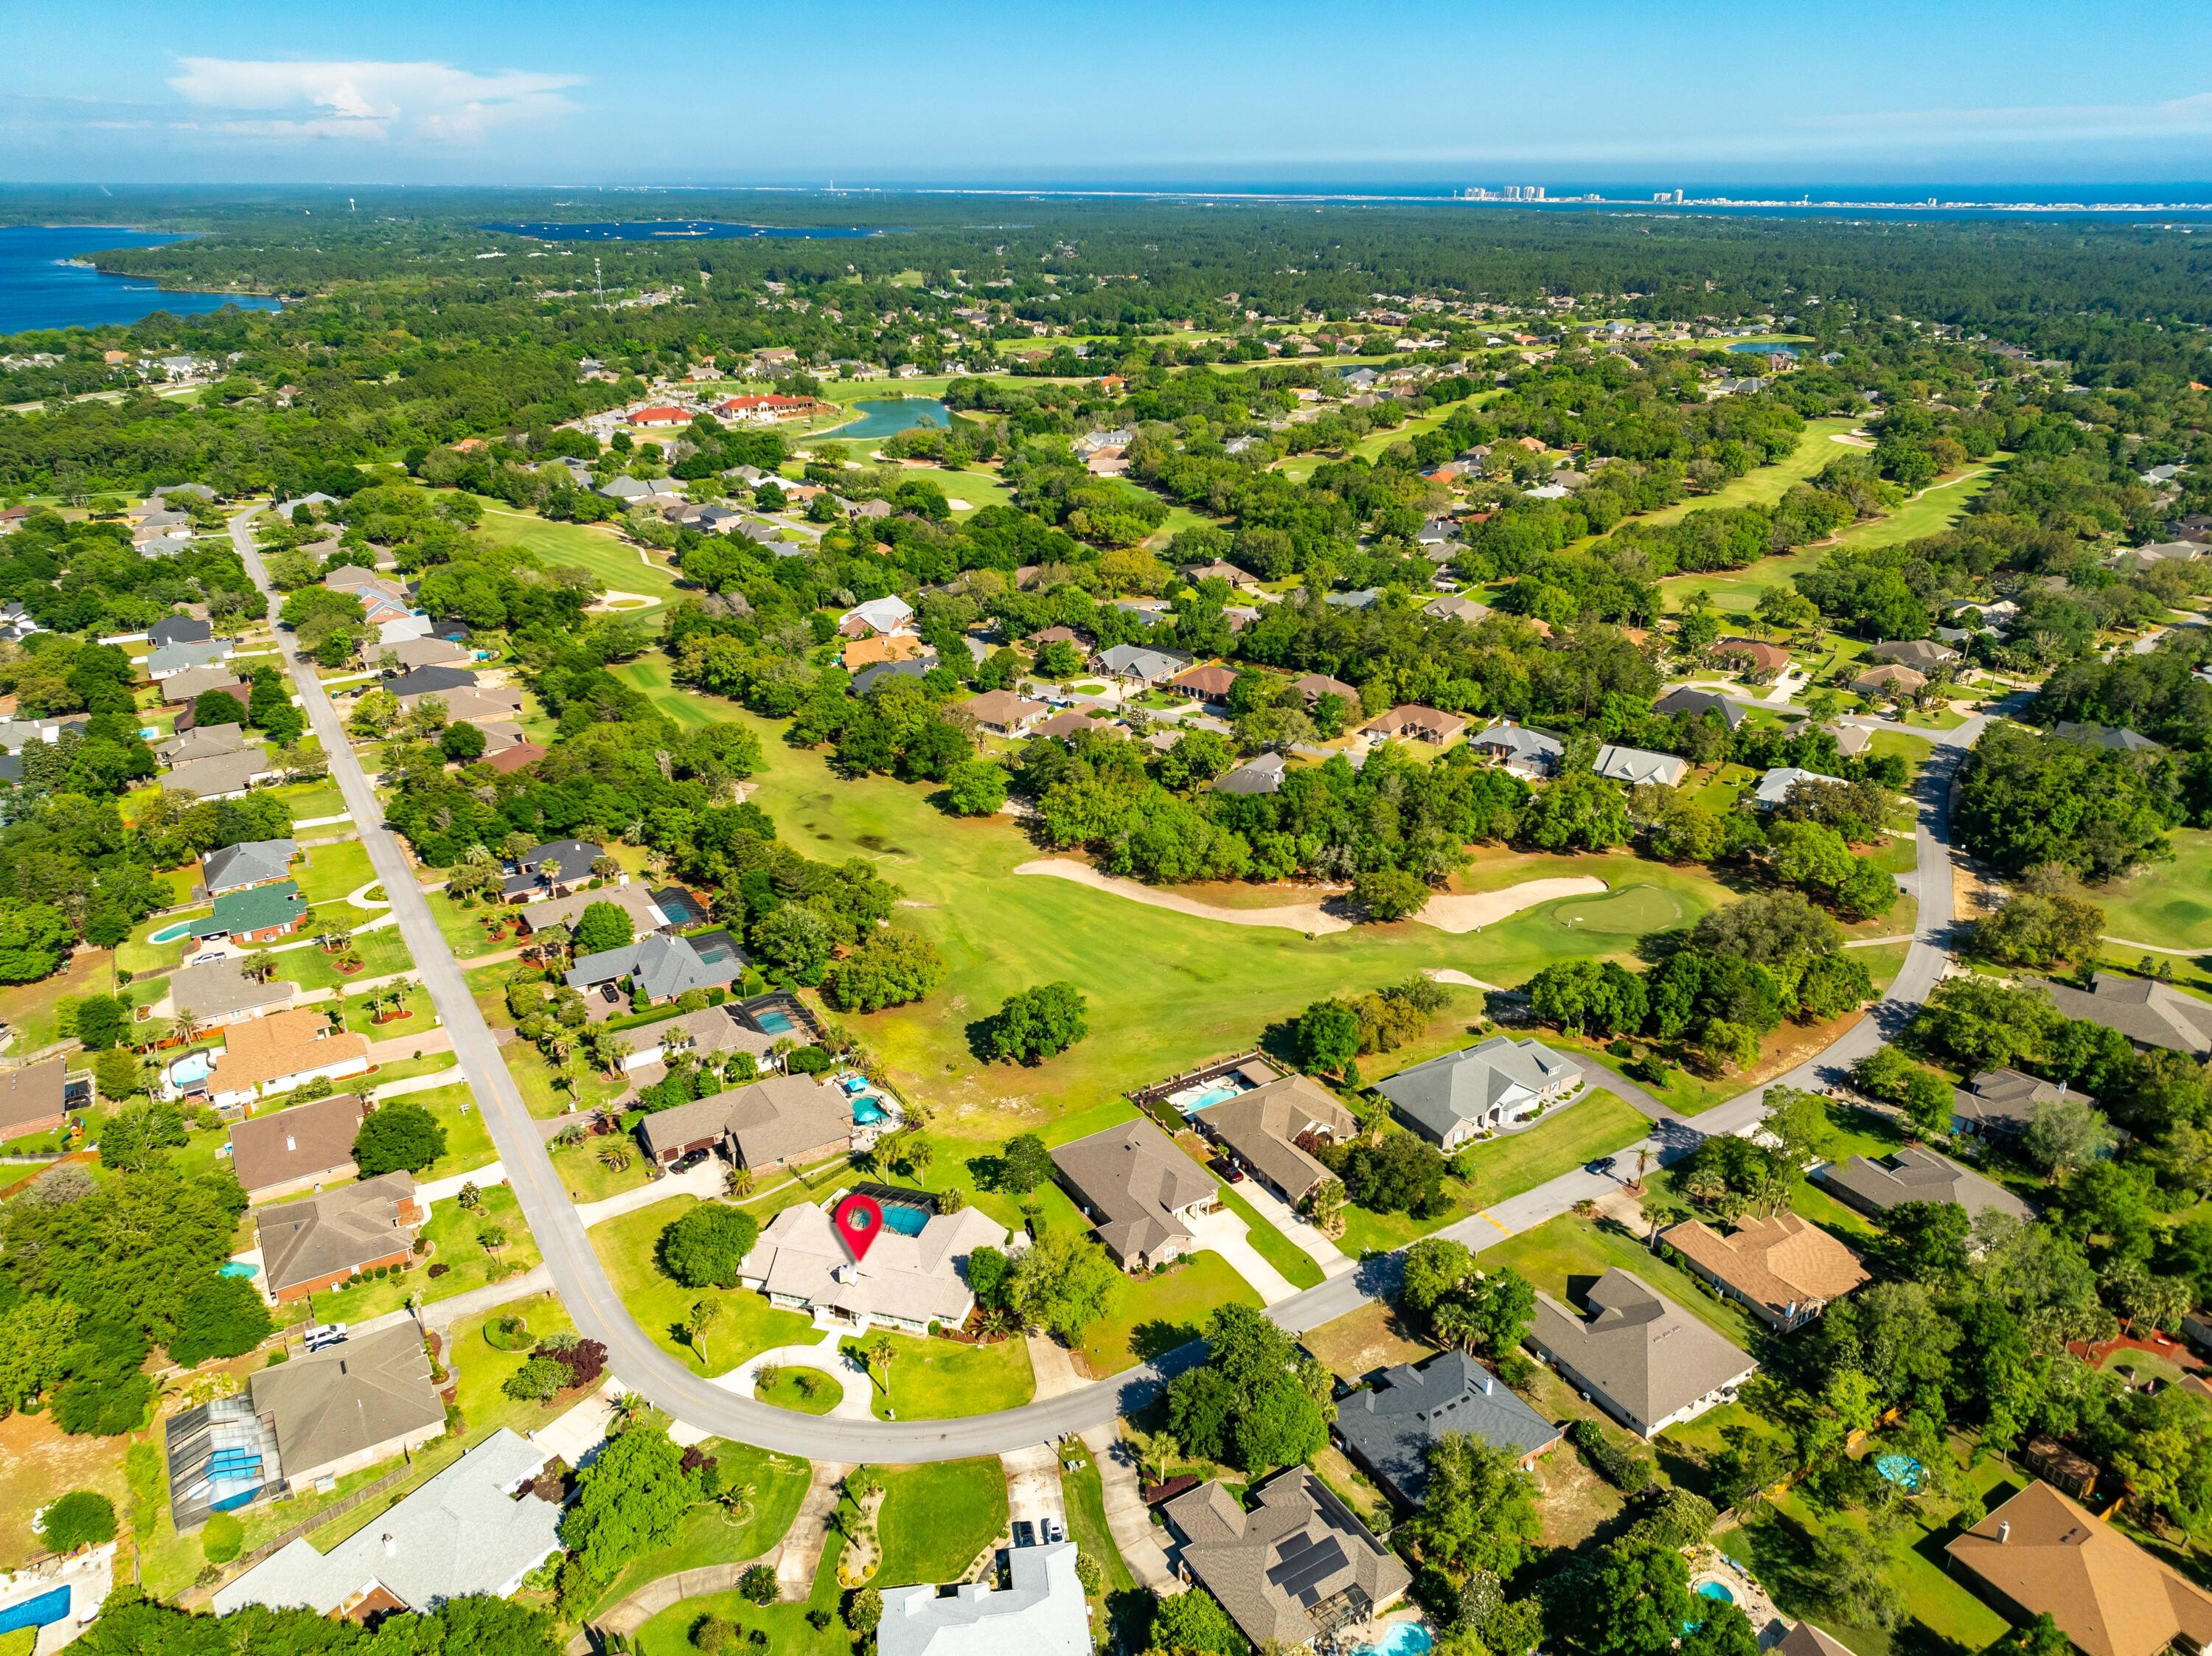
376,102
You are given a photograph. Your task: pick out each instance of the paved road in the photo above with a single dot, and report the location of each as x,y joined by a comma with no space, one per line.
598,1311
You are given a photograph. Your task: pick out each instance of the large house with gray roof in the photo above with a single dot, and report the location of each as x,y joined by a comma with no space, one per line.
1135,661
1041,1611
220,993
661,967
1295,1567
1637,767
1639,1355
249,862
1500,1082
1696,704
1998,1104
1140,1190
1914,1174
2151,1015
906,1280
1268,1129
1389,1427
787,1121
312,1245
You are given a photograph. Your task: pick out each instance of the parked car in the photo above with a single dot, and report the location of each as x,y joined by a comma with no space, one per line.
685,1163
321,1336
210,958
1052,1532
1024,1532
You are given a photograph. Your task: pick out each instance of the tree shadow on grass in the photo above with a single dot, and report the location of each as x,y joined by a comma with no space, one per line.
1130,1619
1158,1336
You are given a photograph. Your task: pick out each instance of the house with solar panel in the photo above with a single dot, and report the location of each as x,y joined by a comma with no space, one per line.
1295,1567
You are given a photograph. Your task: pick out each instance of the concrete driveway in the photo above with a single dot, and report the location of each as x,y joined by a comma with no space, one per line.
1033,1491
1231,1237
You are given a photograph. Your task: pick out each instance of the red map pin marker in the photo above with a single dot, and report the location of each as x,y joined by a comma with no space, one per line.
859,1221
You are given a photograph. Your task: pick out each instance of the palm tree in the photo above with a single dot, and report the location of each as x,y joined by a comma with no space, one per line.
260,966
919,1155
737,1183
878,1354
1455,1324
695,1323
1156,1453
615,1157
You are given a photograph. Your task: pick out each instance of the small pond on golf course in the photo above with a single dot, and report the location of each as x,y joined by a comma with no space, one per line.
887,418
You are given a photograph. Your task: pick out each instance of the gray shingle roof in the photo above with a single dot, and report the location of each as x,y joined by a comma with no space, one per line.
2001,1101
664,966
251,862
1916,1174
1637,1348
1298,1547
1637,765
220,989
1392,1423
338,1230
1135,1177
1464,1086
1263,1126
355,1396
2149,1014
1696,704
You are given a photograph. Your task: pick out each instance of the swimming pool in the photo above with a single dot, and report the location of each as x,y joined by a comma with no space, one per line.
245,1268
1190,1101
1717,1590
866,1112
191,1070
1402,1639
908,1222
776,1020
173,933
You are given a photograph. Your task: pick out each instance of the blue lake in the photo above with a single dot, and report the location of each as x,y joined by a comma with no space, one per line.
677,230
40,288
1764,349
892,416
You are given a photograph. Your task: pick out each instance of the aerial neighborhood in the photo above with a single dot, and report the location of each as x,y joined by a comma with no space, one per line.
1104,926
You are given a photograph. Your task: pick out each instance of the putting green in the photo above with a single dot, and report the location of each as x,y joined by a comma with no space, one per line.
1630,912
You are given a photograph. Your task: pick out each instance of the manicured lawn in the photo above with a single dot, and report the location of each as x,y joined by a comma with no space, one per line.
1196,988
614,563
803,1391
452,1233
586,1178
360,1017
312,800
2167,905
1596,1125
943,1380
1085,1495
937,1519
1764,485
136,954
1931,511
1152,1314
382,952
328,872
468,1140
783,1626
745,1323
706,1536
462,929
1296,1265
1567,1249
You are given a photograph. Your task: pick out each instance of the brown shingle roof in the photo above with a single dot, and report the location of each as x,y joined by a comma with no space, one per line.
1262,1126
342,1230
31,1093
281,1044
304,1142
2107,1595
1297,1549
1783,1263
1135,1177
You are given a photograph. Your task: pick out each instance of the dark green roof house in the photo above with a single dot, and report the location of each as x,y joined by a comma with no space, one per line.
261,914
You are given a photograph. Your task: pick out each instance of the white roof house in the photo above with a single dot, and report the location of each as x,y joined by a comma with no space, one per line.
885,615
908,1280
1636,766
1774,787
463,1532
1041,1613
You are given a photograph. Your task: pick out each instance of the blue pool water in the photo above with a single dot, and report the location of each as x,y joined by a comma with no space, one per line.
1903,1471
186,1070
906,1221
245,1268
1212,1096
1403,1639
35,1612
776,1020
866,1112
173,933
1717,1590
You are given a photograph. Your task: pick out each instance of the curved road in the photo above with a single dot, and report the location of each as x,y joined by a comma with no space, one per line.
600,1314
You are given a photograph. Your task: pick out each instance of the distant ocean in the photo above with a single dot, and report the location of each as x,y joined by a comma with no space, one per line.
40,288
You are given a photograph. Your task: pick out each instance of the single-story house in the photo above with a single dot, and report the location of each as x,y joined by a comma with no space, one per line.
1137,662
1497,1083
1639,1357
178,629
265,1056
879,647
1923,655
1696,704
304,1423
787,1120
1752,654
1269,1129
222,775
170,660
1410,720
1209,683
1241,581
1783,1270
1004,714
1291,1562
311,1246
553,870
867,678
711,1033
1638,767
661,966
17,734
256,914
465,1532
412,685
2151,1015
1882,683
220,994
884,614
1914,1174
1042,1612
1454,606
634,899
1998,1104
2042,1554
1070,721
1138,1189
194,683
1526,753
1389,1427
2113,738
34,1098
1261,774
188,717
1805,1640
412,654
1058,635
1851,740
1776,786
508,761
296,1149
909,1280
1314,686
203,742
249,862
481,706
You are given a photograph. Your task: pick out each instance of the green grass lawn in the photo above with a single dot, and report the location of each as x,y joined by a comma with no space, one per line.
136,954
1195,988
803,1391
1596,1125
2167,905
328,872
1567,1249
451,1232
412,1016
1764,485
1152,1314
1931,511
462,929
1296,1265
942,1380
936,1519
382,952
783,1627
586,1178
705,1534
310,800
614,562
745,1324
468,1140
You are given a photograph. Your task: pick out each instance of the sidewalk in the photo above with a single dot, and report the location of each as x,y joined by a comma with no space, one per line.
810,1531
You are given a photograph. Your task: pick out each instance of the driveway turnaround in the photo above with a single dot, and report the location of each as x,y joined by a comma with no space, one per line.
702,1405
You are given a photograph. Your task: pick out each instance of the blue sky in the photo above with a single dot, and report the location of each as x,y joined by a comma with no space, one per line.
767,91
